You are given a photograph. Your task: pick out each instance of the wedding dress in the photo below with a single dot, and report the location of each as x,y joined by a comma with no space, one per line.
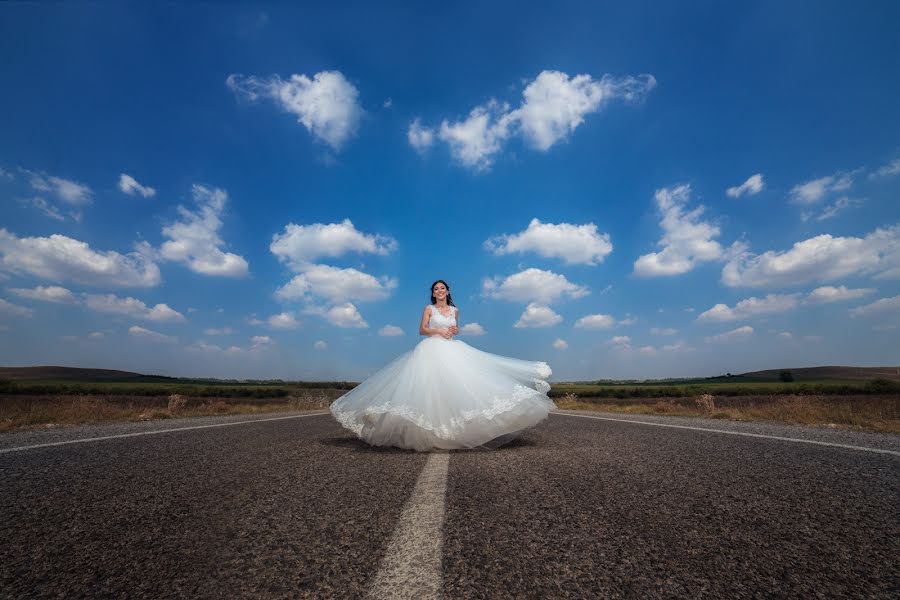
448,395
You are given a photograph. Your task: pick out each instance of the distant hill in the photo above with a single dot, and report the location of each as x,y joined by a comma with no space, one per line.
806,373
69,373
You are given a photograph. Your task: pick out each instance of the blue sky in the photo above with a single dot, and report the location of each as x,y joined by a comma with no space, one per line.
637,191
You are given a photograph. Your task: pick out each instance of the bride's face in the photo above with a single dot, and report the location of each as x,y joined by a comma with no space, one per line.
439,291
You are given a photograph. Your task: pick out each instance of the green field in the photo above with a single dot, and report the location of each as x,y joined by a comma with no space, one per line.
163,386
725,387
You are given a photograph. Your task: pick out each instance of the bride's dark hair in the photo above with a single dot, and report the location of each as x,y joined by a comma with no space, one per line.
449,297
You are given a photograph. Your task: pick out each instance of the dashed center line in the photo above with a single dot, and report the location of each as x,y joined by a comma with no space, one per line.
411,568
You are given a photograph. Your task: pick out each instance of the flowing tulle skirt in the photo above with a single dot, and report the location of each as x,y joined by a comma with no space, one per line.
446,394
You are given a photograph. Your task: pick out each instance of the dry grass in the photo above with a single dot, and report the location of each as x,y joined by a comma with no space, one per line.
29,412
869,413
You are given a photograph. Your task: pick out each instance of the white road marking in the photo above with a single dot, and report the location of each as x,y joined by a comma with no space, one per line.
725,431
125,435
411,568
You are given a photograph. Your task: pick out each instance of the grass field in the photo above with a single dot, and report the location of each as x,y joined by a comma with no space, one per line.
854,403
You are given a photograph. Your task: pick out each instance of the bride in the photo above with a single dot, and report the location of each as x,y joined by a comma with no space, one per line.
444,393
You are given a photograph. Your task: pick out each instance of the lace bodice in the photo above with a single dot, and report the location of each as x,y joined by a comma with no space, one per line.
439,321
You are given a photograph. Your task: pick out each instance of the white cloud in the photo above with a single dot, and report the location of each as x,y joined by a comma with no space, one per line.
620,340
472,330
832,210
879,307
821,258
678,346
283,321
300,245
740,333
70,192
816,189
421,138
597,321
785,335
345,315
663,331
686,241
130,186
45,207
96,335
4,174
14,310
829,293
51,293
327,105
390,331
751,307
219,331
153,336
537,315
560,344
892,168
387,103
532,285
195,240
320,345
575,244
336,285
61,258
751,187
628,320
648,350
132,307
260,341
553,106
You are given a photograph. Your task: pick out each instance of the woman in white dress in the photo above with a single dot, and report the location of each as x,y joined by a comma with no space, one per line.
445,394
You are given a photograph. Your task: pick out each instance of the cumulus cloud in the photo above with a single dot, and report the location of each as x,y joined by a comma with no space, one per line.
751,187
421,138
532,285
821,258
336,285
537,315
50,293
816,189
390,331
751,307
597,321
14,310
553,105
472,330
327,105
320,345
130,186
877,308
152,336
300,245
686,241
132,307
283,320
560,344
344,315
61,258
194,240
70,192
828,293
620,340
738,334
574,244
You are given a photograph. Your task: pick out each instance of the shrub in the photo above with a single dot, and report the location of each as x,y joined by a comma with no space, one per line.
786,376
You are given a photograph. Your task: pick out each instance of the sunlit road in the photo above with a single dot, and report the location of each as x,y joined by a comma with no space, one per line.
577,507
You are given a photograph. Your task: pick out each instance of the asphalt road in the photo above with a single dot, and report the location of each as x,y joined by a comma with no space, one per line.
577,507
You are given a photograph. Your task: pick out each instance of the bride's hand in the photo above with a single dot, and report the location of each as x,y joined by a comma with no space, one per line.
454,330
447,333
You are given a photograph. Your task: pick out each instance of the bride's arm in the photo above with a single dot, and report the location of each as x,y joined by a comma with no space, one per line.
455,328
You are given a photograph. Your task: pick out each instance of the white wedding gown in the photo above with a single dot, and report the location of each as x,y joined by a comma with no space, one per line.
446,394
